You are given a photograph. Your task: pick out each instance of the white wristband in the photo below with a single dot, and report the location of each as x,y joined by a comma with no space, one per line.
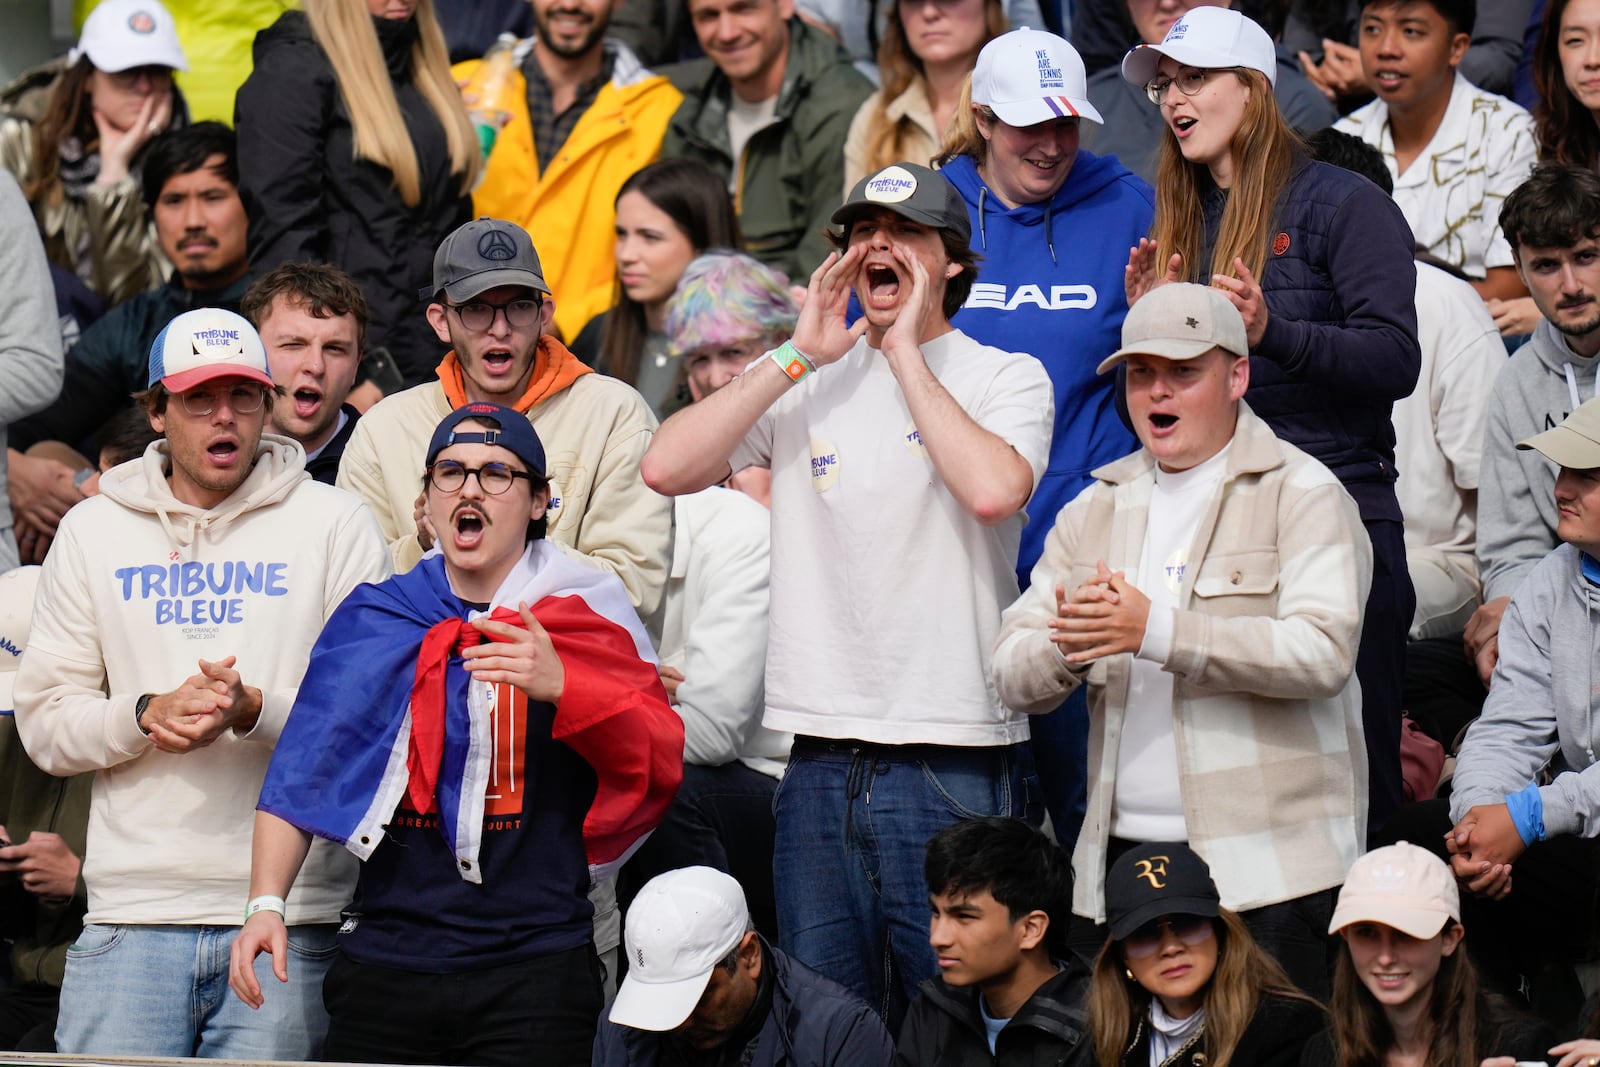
264,903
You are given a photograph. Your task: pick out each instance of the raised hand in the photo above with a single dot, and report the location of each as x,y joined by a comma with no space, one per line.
821,334
524,658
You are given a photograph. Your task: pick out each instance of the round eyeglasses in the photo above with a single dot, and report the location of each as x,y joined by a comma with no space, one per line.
1190,81
242,399
448,476
1146,941
478,315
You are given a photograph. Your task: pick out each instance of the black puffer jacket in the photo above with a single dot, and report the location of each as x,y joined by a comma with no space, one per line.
1276,1037
309,198
813,1023
945,1029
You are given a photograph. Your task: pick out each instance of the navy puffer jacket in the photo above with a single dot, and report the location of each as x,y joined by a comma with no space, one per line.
1341,340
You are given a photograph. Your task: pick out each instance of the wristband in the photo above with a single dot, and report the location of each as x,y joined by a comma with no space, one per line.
266,902
795,364
138,712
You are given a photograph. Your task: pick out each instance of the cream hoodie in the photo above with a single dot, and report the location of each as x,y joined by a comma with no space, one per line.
137,588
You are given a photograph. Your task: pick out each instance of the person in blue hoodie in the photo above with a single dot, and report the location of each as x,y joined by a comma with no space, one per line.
1053,225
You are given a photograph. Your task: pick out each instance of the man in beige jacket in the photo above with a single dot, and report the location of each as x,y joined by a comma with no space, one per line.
1208,588
490,302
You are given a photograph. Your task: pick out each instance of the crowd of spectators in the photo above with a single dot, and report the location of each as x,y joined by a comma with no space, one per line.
804,531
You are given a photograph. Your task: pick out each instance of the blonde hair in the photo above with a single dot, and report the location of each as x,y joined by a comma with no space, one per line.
344,30
963,138
899,67
1244,976
1264,149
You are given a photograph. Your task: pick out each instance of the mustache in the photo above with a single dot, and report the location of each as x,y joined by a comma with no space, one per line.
468,506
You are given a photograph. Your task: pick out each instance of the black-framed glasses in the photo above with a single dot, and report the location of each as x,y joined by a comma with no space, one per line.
478,315
243,399
1190,81
1146,941
448,476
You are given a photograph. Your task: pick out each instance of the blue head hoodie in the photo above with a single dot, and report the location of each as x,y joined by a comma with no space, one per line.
1050,285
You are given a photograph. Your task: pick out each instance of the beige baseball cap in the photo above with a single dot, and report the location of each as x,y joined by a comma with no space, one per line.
1179,320
1575,443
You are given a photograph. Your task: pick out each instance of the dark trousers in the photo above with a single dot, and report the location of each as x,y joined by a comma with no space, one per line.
541,1011
1547,918
1381,668
1442,690
722,818
1060,741
28,1018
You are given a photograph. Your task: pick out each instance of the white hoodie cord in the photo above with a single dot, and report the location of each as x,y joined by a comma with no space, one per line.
1572,386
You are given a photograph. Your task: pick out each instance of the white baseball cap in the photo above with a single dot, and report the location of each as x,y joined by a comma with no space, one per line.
681,925
122,34
17,588
207,343
1209,38
1402,886
1030,76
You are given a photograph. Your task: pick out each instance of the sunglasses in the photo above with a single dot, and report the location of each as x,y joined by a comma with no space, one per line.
1147,940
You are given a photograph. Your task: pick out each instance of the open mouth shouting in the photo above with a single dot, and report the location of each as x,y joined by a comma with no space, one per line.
1162,424
307,401
883,284
467,525
223,451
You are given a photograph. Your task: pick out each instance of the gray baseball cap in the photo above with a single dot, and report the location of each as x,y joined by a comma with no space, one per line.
481,255
915,192
1180,320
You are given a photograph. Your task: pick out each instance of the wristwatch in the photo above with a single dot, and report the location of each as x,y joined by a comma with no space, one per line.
138,712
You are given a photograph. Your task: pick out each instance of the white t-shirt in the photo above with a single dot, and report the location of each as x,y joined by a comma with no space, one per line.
1439,427
886,593
1451,194
1147,804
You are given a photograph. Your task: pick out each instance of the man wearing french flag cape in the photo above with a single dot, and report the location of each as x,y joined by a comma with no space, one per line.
488,734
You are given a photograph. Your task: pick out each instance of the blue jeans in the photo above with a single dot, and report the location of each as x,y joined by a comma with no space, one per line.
853,822
163,991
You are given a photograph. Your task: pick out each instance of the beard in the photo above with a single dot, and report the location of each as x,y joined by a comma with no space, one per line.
590,38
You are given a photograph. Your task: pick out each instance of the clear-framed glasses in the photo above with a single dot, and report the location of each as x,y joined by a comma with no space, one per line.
478,315
448,476
242,399
1190,81
1146,941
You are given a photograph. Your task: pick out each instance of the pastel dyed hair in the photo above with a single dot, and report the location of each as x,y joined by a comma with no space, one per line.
726,297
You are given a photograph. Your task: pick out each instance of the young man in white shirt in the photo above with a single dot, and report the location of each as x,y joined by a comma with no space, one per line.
902,453
1455,150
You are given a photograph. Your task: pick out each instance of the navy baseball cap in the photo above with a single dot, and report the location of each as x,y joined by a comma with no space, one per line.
514,434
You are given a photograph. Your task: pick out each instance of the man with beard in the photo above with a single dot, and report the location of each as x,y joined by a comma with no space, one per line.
1553,224
579,115
190,179
313,320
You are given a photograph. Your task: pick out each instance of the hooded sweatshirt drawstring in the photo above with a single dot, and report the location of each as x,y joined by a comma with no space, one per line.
983,233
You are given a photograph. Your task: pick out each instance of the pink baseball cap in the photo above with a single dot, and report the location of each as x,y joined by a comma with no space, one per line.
1402,886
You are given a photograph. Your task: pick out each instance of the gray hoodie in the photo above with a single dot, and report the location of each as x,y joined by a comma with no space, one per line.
1541,704
1540,386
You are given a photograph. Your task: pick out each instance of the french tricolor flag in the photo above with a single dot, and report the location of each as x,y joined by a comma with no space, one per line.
361,724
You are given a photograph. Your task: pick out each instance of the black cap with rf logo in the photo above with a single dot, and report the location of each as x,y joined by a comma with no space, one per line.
1149,881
